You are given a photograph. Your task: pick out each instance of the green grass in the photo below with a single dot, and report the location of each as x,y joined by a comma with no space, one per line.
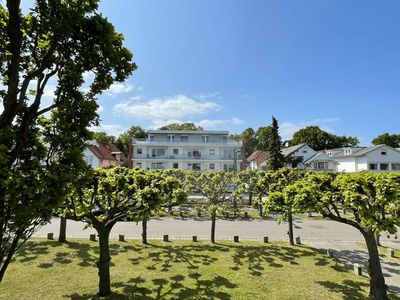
180,270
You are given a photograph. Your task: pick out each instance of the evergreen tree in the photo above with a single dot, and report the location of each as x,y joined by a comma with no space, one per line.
276,159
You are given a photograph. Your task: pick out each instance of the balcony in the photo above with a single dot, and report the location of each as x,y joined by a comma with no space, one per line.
185,143
185,157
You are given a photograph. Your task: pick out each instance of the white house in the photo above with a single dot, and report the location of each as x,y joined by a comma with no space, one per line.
257,160
320,161
100,154
187,150
374,158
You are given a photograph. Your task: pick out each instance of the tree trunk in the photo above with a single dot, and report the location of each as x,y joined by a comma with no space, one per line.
10,254
213,218
62,237
260,211
378,288
250,197
104,262
144,231
377,239
290,232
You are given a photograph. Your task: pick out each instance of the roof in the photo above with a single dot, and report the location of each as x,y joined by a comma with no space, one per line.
363,151
320,155
258,156
105,151
289,150
188,132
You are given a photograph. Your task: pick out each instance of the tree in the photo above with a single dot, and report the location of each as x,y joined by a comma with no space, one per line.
264,136
41,145
372,198
183,126
392,140
104,137
280,198
168,199
275,159
248,136
319,139
125,138
214,186
116,194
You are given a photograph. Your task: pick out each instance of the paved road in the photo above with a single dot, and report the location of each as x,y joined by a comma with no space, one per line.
323,234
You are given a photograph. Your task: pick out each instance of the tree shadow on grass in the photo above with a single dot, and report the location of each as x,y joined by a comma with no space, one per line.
348,288
255,257
32,249
175,287
193,256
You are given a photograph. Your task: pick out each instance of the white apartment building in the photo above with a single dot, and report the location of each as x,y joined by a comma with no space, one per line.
187,150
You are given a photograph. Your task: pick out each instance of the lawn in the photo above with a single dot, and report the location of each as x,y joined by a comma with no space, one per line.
180,270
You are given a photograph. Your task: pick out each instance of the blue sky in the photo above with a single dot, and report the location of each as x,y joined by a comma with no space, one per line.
230,65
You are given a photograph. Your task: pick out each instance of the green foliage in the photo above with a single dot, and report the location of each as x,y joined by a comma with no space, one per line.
102,136
120,193
248,136
275,159
41,146
392,140
319,139
264,137
183,126
125,138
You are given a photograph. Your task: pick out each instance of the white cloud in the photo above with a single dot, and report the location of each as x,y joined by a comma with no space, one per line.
136,97
175,107
113,129
287,129
119,88
208,96
215,124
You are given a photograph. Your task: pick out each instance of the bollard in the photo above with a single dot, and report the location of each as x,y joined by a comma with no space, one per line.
194,238
391,253
50,236
246,214
236,239
92,237
298,241
309,215
165,238
121,238
265,239
329,252
357,269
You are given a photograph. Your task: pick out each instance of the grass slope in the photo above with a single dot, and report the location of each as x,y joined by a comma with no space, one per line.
180,270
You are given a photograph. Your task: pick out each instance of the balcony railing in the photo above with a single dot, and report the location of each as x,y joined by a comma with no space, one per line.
185,157
189,142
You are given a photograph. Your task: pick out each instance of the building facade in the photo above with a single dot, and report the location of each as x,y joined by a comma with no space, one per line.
100,155
187,150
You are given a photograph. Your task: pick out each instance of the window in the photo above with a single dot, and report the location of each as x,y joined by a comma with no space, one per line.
396,167
211,151
157,152
139,165
184,138
139,150
373,167
225,139
196,153
204,138
384,167
157,165
175,151
151,137
175,165
383,153
304,151
322,165
196,167
171,138
228,167
212,166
